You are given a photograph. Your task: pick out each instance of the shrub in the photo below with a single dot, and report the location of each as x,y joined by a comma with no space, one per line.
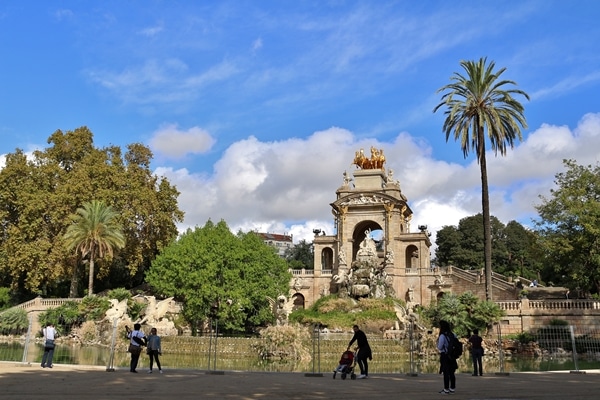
93,308
14,322
284,342
119,294
135,309
88,332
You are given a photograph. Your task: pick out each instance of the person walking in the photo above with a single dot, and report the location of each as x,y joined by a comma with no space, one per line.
448,365
364,352
136,340
476,352
49,335
154,350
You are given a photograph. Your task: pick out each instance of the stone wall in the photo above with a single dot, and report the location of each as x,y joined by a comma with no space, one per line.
528,315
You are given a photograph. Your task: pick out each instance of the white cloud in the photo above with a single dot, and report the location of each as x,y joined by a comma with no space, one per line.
172,142
286,186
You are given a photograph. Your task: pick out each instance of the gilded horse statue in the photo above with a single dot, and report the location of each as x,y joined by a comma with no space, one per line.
376,161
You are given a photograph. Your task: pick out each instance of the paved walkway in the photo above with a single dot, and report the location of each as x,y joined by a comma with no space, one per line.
19,381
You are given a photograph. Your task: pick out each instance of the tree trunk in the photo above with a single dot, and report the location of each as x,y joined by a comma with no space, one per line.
91,280
485,205
74,279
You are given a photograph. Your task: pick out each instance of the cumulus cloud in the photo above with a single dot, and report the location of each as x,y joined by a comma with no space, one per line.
172,142
286,186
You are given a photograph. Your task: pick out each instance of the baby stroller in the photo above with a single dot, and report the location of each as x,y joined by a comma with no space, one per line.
346,365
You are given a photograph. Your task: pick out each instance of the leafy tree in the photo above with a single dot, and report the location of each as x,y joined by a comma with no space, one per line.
569,227
219,275
39,193
448,244
301,255
4,298
94,233
463,245
523,256
475,104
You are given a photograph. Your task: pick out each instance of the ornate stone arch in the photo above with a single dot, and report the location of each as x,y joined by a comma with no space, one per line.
327,258
298,301
412,257
360,232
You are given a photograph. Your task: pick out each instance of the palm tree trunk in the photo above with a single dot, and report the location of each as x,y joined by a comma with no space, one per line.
485,205
91,279
74,279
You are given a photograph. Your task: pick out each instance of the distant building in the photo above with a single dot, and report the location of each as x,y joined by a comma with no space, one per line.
280,242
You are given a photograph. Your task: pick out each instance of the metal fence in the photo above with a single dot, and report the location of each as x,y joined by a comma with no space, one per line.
554,347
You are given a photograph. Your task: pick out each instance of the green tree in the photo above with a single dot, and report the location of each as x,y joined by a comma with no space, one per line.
522,255
447,241
301,255
477,104
569,227
463,245
39,194
219,275
95,233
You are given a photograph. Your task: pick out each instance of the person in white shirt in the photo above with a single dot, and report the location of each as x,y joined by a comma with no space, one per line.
49,335
137,339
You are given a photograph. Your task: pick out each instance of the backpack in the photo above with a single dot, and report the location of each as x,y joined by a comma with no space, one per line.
455,346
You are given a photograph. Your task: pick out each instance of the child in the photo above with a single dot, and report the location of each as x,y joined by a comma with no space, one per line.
346,360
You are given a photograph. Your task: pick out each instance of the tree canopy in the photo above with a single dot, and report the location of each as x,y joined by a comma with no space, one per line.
514,248
569,227
40,192
477,104
219,275
301,255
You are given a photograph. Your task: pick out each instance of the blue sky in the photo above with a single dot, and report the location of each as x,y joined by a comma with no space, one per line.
254,109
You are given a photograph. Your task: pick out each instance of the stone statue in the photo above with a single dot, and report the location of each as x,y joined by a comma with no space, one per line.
298,282
347,179
389,257
281,309
366,277
342,257
155,311
117,310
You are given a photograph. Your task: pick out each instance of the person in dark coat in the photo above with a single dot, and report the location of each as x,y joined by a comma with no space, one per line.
448,366
476,352
364,352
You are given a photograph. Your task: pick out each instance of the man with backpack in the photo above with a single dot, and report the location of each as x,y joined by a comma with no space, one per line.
449,347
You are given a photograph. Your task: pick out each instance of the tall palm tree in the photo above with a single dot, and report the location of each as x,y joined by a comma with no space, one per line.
476,104
95,232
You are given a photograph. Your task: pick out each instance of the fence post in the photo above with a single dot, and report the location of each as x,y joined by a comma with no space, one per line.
411,341
574,352
316,353
500,352
212,352
113,343
27,340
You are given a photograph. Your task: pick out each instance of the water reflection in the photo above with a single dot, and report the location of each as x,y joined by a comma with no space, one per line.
382,364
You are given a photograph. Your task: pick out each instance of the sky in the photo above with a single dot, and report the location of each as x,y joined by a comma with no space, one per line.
254,109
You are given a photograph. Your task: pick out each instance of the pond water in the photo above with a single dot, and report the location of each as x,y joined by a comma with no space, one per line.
100,356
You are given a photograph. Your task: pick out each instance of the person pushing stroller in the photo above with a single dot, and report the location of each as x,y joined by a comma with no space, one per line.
364,351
